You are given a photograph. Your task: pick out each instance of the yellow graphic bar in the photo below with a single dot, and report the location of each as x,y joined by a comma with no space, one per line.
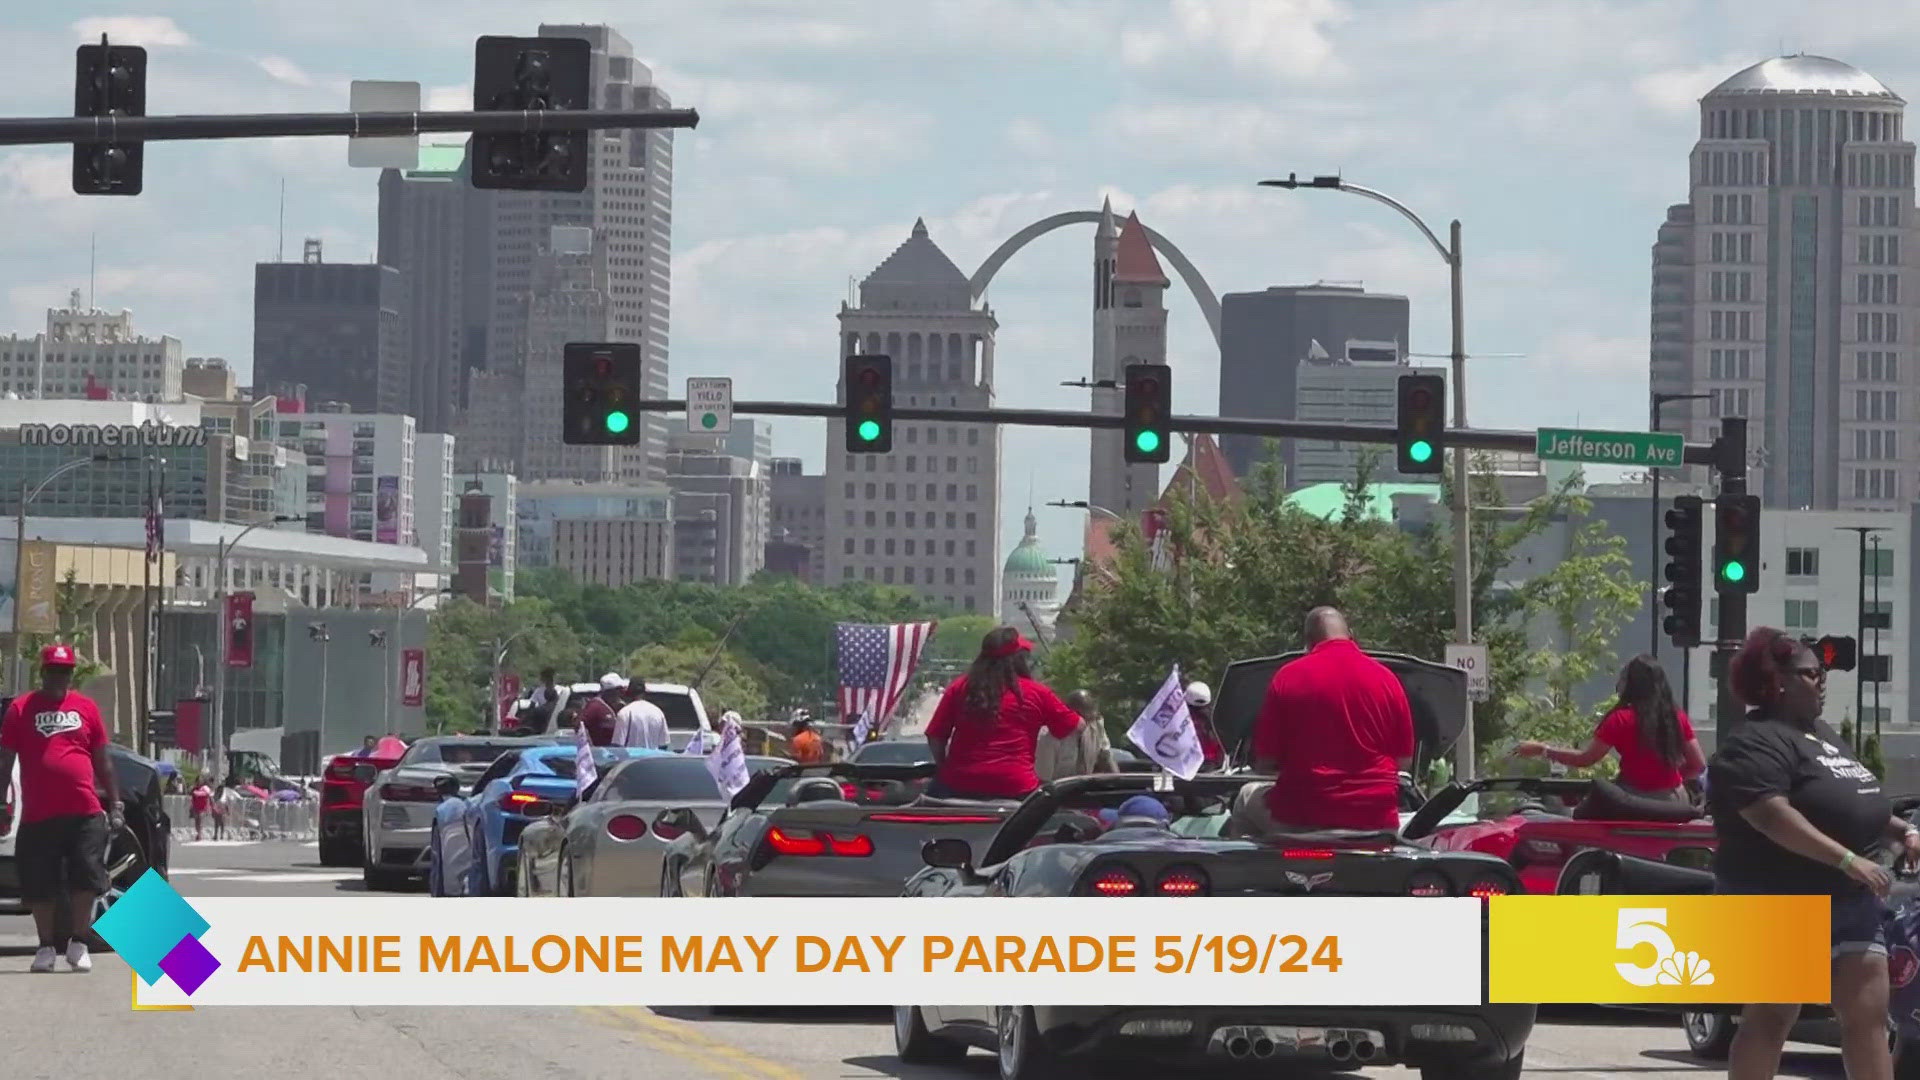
137,1007
1631,950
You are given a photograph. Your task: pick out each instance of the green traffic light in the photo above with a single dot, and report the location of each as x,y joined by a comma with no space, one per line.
618,422
1420,450
869,430
1734,571
1147,442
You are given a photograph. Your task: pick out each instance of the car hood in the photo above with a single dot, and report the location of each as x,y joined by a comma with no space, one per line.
1437,692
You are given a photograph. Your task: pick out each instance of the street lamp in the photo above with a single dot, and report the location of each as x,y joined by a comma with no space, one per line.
1879,617
1653,566
1082,504
1860,632
27,495
221,549
317,632
1462,506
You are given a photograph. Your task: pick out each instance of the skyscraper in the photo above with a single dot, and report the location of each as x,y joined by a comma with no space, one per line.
336,328
587,266
1776,286
925,517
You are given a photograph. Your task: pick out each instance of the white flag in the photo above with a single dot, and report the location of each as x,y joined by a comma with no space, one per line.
728,764
584,774
1164,732
862,731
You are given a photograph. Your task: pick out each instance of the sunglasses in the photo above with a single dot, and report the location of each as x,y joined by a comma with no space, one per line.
1815,674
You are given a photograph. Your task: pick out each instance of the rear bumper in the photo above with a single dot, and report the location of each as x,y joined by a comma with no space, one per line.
1475,1037
342,822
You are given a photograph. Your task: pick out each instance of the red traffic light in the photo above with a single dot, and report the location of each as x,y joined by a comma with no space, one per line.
602,365
1419,398
867,377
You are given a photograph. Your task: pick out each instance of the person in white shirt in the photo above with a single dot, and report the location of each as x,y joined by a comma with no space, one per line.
640,722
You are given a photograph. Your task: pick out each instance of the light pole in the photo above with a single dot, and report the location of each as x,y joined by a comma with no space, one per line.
1878,618
220,550
1860,630
1462,481
27,495
318,632
1082,504
499,658
1654,548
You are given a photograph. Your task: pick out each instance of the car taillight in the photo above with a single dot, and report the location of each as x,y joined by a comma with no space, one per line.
849,792
812,843
1182,881
1487,890
521,802
1116,882
1424,884
626,827
407,793
1306,853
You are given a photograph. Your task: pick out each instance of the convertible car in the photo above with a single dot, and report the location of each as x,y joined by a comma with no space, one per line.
846,829
475,847
1437,693
1538,834
602,844
397,810
1063,842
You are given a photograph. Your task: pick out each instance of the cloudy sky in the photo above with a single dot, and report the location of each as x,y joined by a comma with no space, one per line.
1556,130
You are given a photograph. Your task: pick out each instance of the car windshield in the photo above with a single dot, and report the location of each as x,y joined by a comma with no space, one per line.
902,752
679,710
666,779
455,753
563,767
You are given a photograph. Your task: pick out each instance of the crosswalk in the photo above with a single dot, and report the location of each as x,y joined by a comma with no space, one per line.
263,877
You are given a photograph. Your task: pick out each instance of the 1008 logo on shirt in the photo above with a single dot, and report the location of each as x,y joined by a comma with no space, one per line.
56,721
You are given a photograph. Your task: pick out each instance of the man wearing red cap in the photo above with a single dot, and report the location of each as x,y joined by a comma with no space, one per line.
61,744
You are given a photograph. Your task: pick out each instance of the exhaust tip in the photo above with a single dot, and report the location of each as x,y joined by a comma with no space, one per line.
1238,1047
1340,1049
1365,1050
1263,1048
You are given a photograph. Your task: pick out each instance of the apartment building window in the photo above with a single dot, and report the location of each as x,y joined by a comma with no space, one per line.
869,519
950,548
1803,562
1730,364
907,572
1876,405
1878,615
888,548
849,491
1880,562
1732,402
910,545
871,489
1876,484
1874,444
973,436
849,547
889,519
1876,366
886,575
1803,614
869,545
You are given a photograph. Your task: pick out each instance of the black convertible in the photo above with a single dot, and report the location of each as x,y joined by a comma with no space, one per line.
1059,843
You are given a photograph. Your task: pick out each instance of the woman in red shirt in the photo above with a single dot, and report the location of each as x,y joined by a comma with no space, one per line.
1657,748
984,731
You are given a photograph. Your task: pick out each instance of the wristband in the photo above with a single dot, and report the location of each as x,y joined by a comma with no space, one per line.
1846,861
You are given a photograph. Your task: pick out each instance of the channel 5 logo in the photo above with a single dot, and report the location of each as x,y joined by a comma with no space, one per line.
1622,950
157,932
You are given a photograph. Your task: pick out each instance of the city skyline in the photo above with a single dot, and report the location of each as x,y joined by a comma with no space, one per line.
766,235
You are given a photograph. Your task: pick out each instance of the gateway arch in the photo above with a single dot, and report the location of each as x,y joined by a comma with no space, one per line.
1196,284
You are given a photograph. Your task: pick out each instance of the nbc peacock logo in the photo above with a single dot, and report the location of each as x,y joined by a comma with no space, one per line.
1643,931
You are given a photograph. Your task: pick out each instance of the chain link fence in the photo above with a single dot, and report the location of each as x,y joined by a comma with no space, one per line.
249,819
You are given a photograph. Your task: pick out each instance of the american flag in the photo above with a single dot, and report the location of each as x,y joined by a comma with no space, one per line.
875,663
156,530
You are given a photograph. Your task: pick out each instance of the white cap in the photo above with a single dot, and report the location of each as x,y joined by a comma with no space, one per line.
1199,694
610,681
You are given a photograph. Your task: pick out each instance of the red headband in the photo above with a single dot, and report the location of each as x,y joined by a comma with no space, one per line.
1017,645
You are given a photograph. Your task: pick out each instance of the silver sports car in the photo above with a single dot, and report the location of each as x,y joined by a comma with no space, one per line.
604,844
397,810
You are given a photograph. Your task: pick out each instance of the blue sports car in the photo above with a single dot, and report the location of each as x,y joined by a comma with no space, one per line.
476,836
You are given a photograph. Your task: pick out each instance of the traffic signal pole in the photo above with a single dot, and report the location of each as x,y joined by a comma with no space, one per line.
1730,460
123,129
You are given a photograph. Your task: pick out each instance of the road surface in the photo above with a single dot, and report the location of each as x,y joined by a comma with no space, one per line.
74,1019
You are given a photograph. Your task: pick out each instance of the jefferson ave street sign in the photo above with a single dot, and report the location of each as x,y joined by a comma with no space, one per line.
1655,448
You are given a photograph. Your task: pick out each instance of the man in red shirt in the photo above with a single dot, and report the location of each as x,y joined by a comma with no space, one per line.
58,738
1337,728
597,716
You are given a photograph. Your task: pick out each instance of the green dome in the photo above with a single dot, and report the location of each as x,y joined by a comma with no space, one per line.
1028,561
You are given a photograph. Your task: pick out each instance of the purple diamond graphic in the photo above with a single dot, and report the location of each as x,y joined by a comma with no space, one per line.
189,965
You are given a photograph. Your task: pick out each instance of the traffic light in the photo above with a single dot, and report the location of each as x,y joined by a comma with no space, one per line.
602,386
1836,653
1736,543
1420,425
109,80
1684,525
867,382
1149,408
529,74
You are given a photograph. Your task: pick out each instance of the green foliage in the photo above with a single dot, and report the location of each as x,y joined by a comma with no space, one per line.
1872,758
464,638
75,615
1253,569
727,683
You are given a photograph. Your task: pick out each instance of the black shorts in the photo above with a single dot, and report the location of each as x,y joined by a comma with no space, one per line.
62,855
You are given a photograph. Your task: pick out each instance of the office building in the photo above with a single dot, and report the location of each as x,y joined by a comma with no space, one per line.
503,545
720,506
1361,385
210,378
588,266
1777,287
1265,335
797,529
925,517
86,353
436,232
338,329
435,500
556,520
361,470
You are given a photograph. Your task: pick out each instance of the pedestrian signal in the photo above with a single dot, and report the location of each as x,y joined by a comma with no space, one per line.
1836,653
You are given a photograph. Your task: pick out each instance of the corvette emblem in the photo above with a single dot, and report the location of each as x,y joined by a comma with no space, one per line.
1306,883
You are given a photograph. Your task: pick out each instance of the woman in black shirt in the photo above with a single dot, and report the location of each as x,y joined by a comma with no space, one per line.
1796,814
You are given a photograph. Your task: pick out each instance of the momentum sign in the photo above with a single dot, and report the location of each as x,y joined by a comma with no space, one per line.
1650,448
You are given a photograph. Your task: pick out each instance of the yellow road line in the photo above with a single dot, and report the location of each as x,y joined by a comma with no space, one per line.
687,1043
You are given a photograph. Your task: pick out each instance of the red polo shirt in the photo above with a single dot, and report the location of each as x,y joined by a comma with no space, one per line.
1336,721
991,757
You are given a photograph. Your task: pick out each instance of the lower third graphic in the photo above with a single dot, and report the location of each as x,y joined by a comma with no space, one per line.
157,932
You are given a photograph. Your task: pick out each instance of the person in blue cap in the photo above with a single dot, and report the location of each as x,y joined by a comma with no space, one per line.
1138,812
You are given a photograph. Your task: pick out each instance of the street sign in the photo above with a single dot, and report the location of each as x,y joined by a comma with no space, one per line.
1656,449
383,151
709,406
1472,659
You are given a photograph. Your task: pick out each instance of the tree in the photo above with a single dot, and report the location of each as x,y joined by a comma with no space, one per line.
462,641
74,614
727,683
